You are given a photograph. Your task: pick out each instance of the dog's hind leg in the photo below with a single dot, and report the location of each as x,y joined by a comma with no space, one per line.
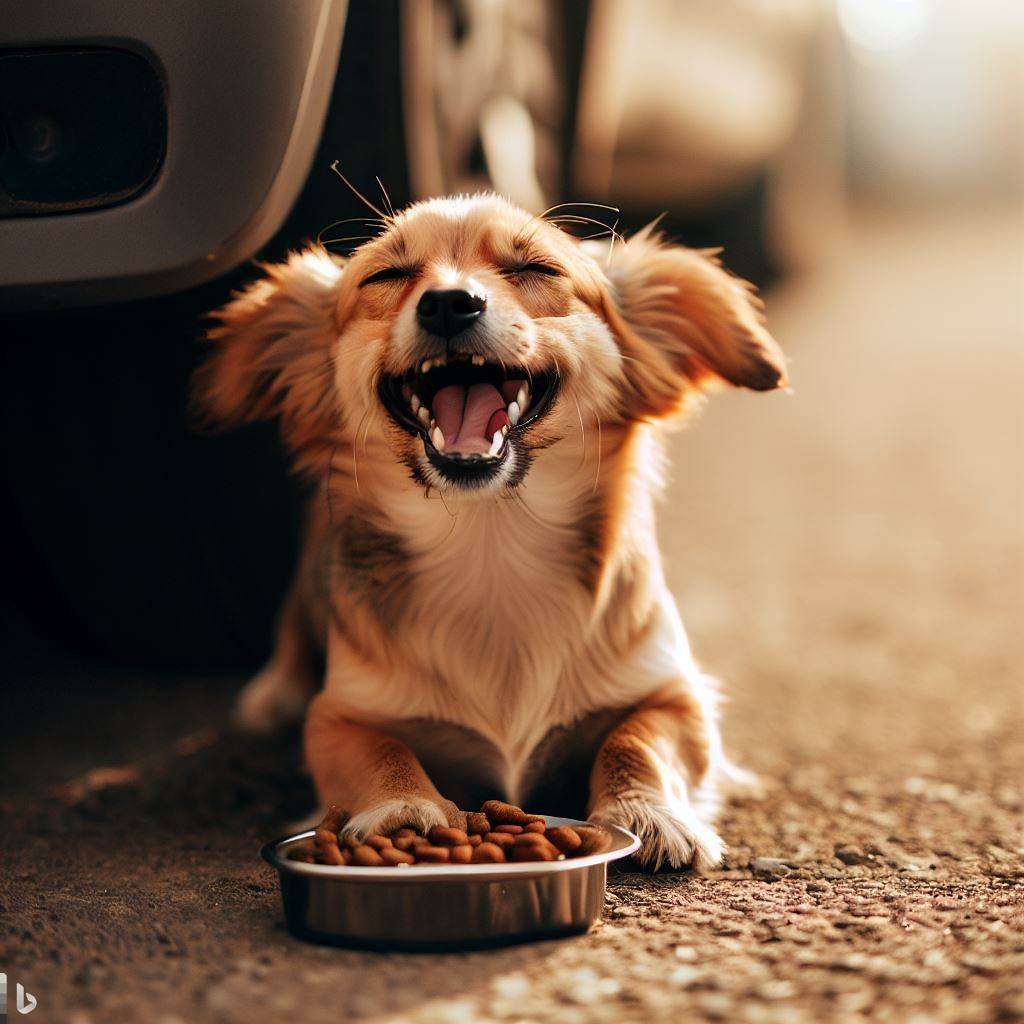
279,693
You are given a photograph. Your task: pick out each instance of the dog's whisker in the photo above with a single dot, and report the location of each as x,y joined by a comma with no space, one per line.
592,206
355,452
387,198
611,244
577,220
583,431
345,245
359,195
349,220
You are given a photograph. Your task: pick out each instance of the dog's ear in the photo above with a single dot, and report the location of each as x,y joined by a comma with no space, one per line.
685,323
272,352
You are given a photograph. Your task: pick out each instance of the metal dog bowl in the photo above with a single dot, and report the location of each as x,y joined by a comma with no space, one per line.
436,907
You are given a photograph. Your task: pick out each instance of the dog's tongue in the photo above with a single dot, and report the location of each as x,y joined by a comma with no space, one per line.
465,417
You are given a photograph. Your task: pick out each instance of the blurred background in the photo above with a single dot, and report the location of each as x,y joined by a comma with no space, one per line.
862,161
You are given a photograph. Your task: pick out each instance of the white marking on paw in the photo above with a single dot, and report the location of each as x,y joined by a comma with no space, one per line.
672,835
386,817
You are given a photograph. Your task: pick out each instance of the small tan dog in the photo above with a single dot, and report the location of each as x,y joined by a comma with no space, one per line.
480,400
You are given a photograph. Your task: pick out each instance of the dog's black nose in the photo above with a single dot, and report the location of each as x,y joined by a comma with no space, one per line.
446,312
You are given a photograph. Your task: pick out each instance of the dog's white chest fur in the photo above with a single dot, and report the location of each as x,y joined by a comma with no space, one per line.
500,635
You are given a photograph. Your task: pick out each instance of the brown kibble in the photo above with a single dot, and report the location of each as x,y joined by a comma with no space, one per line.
498,833
334,819
566,839
393,856
488,853
325,847
594,840
303,853
501,813
477,823
533,851
442,835
535,841
366,857
502,839
427,854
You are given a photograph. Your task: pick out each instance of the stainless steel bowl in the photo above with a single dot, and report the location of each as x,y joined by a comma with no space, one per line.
437,907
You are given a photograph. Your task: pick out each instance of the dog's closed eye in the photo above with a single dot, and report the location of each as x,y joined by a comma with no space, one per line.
520,270
389,274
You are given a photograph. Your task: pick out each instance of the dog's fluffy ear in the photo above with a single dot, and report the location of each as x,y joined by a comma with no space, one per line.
683,322
272,352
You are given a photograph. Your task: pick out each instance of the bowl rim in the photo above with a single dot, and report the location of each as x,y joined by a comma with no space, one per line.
624,843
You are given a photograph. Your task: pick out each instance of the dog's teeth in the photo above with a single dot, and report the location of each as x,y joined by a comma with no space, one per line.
437,439
414,404
523,399
426,365
477,360
423,415
513,413
496,443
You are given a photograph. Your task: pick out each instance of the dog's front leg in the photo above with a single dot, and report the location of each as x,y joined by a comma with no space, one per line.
373,776
645,777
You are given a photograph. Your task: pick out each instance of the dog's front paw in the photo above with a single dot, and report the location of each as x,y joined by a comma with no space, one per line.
671,835
421,813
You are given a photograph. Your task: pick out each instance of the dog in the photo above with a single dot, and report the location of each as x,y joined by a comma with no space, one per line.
479,400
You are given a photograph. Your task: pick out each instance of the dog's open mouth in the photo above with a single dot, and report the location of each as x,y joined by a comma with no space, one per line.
466,409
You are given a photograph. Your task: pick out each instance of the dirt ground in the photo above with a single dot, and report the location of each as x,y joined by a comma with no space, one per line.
849,561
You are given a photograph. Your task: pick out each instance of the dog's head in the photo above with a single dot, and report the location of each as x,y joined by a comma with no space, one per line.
470,336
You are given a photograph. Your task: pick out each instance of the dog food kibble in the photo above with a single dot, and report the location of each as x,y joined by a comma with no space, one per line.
566,839
501,839
497,833
393,856
530,846
460,854
427,854
477,823
501,813
366,857
440,835
595,840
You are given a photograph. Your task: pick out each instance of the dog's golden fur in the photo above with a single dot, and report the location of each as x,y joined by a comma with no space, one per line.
516,639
